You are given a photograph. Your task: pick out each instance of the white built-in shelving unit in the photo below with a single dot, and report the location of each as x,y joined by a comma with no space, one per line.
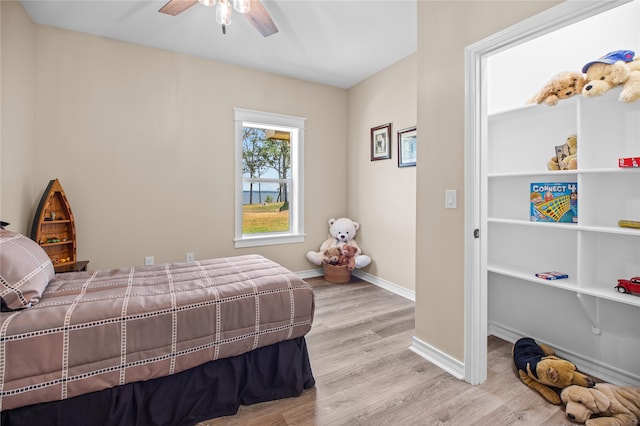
584,316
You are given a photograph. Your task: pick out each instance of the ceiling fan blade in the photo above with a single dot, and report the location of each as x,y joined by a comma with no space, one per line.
260,19
175,7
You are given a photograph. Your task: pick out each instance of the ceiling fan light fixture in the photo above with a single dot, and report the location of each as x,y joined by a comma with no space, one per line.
242,6
207,2
223,12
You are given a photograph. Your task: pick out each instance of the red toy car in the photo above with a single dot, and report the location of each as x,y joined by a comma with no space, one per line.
629,286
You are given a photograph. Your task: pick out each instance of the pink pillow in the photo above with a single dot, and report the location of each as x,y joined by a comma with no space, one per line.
25,270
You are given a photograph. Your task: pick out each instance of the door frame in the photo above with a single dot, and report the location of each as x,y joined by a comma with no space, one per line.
475,161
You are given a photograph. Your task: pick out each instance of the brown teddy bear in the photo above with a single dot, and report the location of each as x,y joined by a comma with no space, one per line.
561,86
612,405
616,68
566,157
331,256
541,370
348,257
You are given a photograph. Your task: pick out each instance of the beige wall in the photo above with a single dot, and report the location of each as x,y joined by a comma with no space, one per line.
445,28
142,141
17,97
382,197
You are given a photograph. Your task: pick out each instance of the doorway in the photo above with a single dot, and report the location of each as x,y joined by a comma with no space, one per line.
480,58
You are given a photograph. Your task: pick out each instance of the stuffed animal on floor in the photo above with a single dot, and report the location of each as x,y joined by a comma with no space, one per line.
347,257
561,86
541,370
331,256
613,69
341,231
610,405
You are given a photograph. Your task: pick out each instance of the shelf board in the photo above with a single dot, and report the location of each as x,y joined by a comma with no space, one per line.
573,226
59,243
567,285
520,222
613,170
611,230
538,173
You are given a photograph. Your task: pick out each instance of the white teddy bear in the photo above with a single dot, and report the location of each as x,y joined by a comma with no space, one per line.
341,231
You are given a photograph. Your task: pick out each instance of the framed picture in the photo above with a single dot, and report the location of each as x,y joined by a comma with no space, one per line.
381,142
407,147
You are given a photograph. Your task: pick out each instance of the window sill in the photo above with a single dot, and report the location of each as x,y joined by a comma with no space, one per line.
267,240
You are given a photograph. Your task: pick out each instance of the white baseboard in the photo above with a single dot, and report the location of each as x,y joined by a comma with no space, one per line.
439,358
310,273
589,366
387,285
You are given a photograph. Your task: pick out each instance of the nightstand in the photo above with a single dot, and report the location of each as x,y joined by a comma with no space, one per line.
80,265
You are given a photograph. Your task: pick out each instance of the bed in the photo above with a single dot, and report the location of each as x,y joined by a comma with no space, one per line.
162,344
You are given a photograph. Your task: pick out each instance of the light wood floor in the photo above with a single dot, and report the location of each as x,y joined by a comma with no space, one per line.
366,375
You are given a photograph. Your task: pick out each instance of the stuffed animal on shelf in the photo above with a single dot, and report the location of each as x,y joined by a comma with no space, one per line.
618,68
561,86
347,256
566,157
541,370
331,256
341,231
610,405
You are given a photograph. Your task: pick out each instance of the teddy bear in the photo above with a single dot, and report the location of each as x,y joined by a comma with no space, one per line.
566,157
540,369
332,256
563,85
347,256
609,404
341,231
618,68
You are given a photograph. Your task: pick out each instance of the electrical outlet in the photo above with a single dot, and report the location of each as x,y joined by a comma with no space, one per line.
190,257
149,260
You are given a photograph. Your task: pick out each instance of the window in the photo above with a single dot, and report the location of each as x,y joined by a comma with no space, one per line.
269,200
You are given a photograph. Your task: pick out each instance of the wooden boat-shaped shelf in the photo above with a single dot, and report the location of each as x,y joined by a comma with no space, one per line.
54,228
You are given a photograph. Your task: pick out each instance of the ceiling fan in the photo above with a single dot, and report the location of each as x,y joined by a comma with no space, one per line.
254,10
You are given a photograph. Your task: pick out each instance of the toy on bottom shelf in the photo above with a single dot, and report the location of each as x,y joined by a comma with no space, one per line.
566,157
341,231
561,86
554,202
552,275
541,370
629,286
608,404
618,68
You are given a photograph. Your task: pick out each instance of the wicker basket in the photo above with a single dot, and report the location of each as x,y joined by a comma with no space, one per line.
337,274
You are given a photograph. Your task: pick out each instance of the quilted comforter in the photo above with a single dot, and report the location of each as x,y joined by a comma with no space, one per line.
95,330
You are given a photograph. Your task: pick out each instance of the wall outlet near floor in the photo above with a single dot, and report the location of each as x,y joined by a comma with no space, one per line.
149,260
190,257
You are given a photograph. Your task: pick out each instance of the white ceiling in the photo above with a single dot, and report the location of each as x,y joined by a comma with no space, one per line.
334,42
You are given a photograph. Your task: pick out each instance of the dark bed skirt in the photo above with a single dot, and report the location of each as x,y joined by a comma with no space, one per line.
210,390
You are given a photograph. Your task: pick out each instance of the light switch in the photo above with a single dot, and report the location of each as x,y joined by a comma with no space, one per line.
450,199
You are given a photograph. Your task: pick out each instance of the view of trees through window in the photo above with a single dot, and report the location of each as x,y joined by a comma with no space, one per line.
266,180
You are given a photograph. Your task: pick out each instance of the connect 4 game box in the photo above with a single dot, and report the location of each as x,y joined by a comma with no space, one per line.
554,202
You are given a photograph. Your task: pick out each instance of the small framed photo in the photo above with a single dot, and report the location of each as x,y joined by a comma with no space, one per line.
407,147
381,142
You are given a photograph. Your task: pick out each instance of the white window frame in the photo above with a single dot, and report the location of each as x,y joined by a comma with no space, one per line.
294,125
